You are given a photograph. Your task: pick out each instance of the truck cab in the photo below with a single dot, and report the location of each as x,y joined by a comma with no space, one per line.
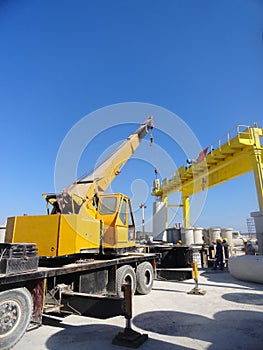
115,212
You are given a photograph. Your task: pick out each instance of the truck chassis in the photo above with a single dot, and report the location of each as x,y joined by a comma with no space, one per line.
88,287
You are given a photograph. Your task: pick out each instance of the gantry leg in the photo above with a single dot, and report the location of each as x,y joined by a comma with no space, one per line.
258,175
165,201
186,209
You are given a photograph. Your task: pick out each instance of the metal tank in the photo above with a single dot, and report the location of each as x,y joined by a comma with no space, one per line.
159,221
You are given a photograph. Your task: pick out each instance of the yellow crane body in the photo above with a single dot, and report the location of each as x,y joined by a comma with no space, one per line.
229,158
84,220
56,234
112,228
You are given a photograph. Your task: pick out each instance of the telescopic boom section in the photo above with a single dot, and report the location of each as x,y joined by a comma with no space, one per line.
97,182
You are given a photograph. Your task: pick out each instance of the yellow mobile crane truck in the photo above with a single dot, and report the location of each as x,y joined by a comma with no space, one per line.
75,259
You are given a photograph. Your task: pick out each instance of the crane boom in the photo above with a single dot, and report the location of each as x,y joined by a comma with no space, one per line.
92,185
100,179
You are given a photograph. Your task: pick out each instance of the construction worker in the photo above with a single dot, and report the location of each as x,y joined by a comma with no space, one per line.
250,249
179,242
219,255
245,245
226,250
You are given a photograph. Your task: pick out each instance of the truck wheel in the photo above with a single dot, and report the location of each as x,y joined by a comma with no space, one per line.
144,276
15,313
125,274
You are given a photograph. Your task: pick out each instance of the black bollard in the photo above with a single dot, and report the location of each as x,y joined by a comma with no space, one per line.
129,337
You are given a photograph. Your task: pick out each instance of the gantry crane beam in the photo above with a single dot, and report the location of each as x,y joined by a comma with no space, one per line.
226,160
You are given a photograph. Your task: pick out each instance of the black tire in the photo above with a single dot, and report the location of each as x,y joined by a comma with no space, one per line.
16,307
144,277
125,274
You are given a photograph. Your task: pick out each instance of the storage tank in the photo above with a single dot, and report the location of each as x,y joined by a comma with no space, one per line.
246,267
228,234
187,235
214,234
159,221
206,237
198,235
196,257
258,219
173,235
2,234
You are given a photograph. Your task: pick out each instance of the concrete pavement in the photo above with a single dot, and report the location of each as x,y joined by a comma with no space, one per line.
229,317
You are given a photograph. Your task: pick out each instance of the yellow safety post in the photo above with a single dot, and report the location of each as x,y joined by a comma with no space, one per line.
195,273
196,290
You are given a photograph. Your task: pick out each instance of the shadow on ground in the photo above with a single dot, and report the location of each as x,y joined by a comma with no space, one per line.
228,280
96,337
245,298
229,330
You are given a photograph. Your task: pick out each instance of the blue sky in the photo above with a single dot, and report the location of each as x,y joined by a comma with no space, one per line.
61,60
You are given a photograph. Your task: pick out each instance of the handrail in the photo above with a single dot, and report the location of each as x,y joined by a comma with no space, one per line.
230,135
237,131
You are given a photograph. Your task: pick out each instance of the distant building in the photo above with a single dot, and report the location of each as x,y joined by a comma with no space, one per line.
2,234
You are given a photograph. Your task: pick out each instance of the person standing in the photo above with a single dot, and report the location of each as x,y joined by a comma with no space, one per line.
226,250
245,245
219,255
250,249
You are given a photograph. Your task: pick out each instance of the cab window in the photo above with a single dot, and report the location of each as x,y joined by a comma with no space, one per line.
123,211
108,205
131,220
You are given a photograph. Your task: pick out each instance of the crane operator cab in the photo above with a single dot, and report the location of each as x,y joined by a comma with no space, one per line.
115,212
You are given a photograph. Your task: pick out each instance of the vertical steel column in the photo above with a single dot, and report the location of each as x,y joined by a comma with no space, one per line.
164,199
167,216
258,166
258,176
186,209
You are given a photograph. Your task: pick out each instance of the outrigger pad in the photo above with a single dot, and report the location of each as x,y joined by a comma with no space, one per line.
129,338
197,291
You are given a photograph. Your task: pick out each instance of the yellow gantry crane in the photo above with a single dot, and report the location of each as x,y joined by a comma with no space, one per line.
234,155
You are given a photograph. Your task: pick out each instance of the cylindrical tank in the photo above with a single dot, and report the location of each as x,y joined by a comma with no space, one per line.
2,234
173,235
206,236
214,233
159,221
198,235
228,234
246,267
196,257
187,235
258,219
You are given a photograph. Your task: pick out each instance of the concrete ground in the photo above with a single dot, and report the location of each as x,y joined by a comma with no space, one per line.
229,317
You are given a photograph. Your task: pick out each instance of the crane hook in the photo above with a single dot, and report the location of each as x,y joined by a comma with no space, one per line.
151,139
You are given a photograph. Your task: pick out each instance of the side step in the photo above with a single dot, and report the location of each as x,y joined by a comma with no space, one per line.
96,306
174,274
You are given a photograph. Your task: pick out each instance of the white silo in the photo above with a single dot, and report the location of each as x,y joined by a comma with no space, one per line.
159,221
